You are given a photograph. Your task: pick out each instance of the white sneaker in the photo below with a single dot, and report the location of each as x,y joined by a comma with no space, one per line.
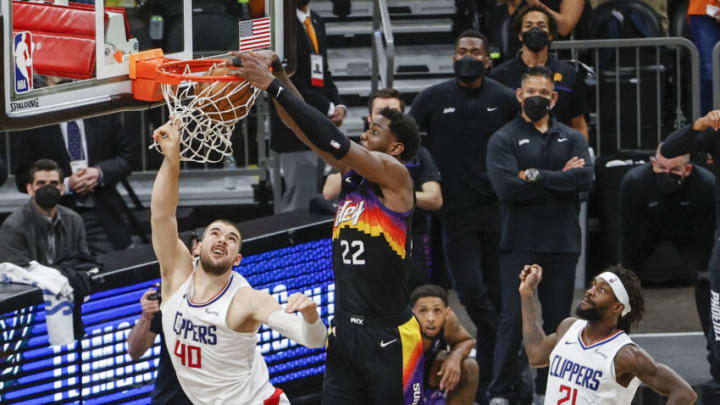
538,399
499,401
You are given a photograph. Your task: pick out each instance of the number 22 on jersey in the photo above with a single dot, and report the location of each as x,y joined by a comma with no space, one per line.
190,356
352,252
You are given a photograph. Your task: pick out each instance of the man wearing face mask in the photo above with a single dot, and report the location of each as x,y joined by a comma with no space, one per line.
459,116
42,230
667,210
536,28
538,167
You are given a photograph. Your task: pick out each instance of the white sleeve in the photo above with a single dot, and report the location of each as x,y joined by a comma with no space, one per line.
310,335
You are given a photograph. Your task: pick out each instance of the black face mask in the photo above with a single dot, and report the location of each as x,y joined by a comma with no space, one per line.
536,107
669,183
47,197
469,69
535,39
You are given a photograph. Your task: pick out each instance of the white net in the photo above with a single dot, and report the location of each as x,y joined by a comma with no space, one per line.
207,112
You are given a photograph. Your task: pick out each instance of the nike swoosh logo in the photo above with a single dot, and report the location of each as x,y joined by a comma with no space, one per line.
490,109
383,343
562,139
570,343
280,89
348,179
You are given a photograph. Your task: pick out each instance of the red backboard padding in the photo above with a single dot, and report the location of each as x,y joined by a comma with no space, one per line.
64,36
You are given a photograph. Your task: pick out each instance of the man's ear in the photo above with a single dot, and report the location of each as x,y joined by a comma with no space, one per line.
518,95
397,149
237,260
29,190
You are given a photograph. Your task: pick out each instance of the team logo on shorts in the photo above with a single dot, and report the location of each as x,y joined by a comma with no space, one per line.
23,47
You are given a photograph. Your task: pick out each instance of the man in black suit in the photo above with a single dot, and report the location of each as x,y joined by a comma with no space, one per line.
314,81
97,154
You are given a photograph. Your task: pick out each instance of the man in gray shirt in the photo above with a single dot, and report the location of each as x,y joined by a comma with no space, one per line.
42,230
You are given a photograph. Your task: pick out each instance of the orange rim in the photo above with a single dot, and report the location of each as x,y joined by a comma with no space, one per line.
175,72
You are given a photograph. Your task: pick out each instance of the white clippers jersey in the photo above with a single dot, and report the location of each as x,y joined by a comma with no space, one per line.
585,375
214,364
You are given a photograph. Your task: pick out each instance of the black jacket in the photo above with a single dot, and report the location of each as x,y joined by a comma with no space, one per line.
685,217
539,216
282,139
107,147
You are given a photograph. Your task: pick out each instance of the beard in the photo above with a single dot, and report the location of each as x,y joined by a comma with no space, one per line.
590,314
215,267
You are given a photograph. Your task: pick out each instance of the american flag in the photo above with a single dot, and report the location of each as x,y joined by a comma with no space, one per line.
254,34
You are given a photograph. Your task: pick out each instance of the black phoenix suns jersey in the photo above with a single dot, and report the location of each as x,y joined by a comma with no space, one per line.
371,251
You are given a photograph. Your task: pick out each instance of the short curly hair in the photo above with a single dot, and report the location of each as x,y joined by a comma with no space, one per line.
518,19
429,290
405,130
633,286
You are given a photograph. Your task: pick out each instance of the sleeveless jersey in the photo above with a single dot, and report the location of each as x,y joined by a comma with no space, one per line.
214,364
585,375
370,251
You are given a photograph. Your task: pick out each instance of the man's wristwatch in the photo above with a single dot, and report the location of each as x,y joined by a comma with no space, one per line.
532,175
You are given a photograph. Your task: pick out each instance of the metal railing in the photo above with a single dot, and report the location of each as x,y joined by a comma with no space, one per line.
624,74
383,54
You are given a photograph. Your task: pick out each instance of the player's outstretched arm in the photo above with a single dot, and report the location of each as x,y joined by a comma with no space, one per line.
322,134
174,258
633,360
257,307
538,346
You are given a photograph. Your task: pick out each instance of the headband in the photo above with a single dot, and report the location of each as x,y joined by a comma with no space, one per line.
618,288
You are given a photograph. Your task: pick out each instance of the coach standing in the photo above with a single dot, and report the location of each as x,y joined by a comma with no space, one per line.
538,166
459,116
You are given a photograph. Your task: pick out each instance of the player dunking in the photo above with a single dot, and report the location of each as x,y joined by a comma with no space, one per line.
210,314
374,353
592,360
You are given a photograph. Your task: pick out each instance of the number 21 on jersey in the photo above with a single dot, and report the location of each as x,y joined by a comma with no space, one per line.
190,356
570,395
352,251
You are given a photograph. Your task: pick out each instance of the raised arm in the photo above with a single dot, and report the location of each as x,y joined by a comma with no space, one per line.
700,136
323,135
174,258
538,346
632,361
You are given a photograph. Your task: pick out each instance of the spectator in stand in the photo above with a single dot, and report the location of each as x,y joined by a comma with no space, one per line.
703,135
536,27
668,220
95,155
704,18
460,115
42,230
314,81
566,13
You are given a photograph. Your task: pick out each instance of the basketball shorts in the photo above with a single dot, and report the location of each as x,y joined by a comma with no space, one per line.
374,361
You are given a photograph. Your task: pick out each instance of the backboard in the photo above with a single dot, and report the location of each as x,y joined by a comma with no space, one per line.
64,60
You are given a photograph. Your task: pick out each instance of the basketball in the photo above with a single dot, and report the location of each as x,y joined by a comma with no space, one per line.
223,101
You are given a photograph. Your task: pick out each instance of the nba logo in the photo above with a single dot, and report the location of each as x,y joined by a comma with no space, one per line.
23,46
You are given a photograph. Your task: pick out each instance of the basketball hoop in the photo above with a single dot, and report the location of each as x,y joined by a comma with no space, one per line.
207,106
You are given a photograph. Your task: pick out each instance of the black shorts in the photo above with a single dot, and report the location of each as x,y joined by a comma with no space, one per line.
369,361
